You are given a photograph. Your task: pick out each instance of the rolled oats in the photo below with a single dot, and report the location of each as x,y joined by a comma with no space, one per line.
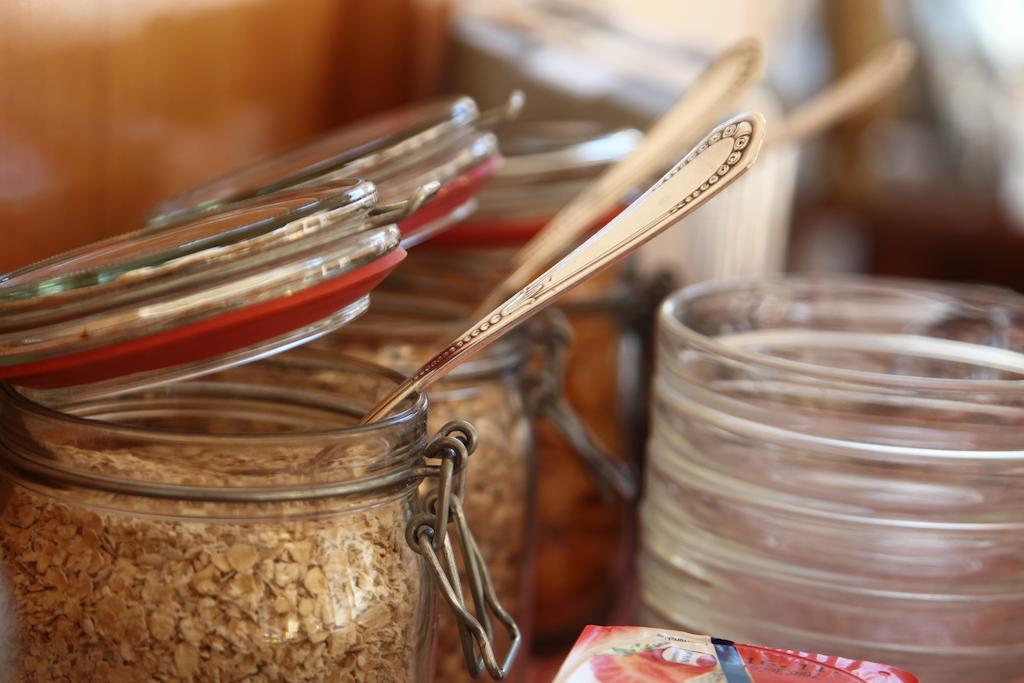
116,587
151,601
500,483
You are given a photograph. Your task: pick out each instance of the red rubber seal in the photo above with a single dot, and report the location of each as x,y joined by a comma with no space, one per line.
450,197
207,338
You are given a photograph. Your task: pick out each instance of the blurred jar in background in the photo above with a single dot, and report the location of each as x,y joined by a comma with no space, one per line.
835,464
122,104
584,448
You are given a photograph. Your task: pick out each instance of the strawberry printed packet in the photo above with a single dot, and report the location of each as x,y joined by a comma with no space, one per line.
627,654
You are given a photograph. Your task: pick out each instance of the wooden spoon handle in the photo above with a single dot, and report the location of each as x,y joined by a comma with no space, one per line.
719,86
878,74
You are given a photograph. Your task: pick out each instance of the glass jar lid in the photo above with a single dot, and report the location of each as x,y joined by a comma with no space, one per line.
561,149
152,306
443,141
546,164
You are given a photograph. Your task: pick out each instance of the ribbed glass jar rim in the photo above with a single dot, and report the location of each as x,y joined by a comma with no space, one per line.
30,431
673,329
763,568
666,456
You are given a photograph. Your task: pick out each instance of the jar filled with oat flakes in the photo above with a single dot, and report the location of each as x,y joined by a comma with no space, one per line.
585,506
216,530
489,390
169,515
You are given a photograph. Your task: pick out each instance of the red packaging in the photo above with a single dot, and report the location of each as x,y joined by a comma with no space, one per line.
628,654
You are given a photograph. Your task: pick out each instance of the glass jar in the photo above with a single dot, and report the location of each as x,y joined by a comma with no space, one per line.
835,465
216,528
402,332
587,443
586,518
158,526
583,426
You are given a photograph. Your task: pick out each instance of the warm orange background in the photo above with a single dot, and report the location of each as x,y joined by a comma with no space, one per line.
107,106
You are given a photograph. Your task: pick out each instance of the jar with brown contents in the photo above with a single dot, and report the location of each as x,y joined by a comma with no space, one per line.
237,527
583,539
488,391
585,517
582,425
244,526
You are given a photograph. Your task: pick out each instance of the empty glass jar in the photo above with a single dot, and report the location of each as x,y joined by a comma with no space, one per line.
835,466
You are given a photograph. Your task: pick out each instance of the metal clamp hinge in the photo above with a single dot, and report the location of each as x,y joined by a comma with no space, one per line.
427,534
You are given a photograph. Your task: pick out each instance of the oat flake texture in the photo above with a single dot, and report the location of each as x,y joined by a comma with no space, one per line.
500,484
110,597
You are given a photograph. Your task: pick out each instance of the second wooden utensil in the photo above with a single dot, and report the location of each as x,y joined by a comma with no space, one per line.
877,74
720,85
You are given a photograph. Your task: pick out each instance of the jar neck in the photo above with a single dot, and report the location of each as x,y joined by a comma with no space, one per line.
257,434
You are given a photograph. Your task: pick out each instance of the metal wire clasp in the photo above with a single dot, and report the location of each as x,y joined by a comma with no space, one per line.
546,397
427,534
399,211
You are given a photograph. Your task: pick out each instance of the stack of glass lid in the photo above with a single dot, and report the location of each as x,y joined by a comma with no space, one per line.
442,141
836,466
222,289
260,260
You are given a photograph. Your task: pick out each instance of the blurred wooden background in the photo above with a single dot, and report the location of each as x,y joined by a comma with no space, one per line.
108,106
